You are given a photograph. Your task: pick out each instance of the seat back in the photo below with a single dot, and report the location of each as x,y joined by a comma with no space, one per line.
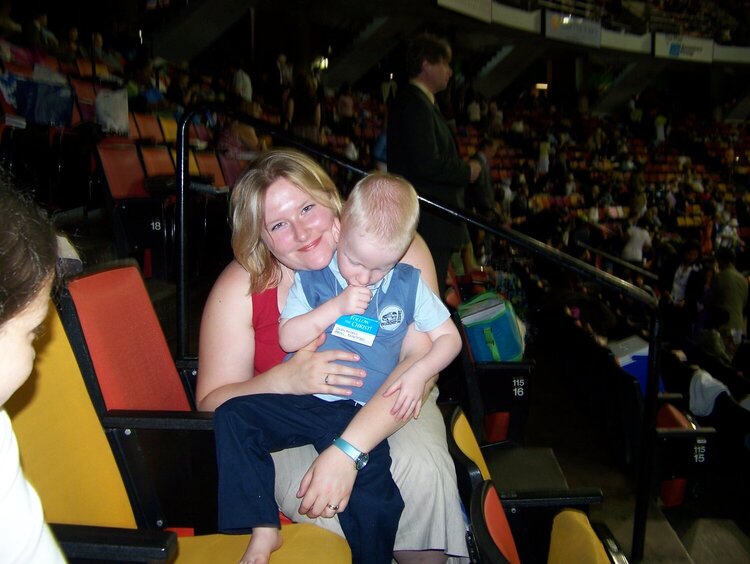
85,98
231,167
157,161
123,343
122,170
208,165
86,69
64,451
471,466
467,442
193,168
148,127
492,532
133,133
168,129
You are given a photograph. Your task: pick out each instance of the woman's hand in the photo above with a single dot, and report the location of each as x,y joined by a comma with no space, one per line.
313,372
327,484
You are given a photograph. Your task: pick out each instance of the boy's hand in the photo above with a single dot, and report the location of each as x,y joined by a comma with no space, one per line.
410,393
354,299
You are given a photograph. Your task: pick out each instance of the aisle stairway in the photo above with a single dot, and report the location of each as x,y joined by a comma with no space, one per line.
584,452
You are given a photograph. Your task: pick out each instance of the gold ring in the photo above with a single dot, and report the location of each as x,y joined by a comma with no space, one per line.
333,507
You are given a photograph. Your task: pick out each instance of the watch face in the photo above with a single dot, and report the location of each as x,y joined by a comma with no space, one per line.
362,461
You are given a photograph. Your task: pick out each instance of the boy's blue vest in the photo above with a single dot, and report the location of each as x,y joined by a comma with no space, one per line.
395,311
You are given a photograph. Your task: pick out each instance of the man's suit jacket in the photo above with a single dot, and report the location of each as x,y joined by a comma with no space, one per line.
421,148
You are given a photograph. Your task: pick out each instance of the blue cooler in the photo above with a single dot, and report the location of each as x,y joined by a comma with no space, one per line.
491,328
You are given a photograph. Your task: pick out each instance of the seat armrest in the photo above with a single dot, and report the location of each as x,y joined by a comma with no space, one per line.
671,397
110,544
187,368
685,450
573,497
161,420
686,435
613,549
522,366
168,462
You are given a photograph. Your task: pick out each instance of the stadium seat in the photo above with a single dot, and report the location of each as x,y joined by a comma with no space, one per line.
85,99
168,128
572,540
66,457
157,161
495,395
529,481
142,219
208,165
148,128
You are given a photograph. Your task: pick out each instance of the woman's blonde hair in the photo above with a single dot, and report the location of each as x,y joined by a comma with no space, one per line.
247,209
384,207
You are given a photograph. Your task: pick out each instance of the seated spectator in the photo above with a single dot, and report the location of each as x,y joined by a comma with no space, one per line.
71,50
727,236
237,143
637,240
345,111
144,94
206,92
651,217
304,111
710,340
685,286
712,399
242,86
38,37
181,92
474,111
494,120
729,290
112,59
8,27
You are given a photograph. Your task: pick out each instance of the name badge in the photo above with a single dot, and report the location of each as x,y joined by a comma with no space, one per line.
357,328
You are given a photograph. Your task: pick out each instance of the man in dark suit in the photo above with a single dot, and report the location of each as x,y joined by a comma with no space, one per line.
422,149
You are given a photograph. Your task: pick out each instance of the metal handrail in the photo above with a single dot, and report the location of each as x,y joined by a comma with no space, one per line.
618,261
544,251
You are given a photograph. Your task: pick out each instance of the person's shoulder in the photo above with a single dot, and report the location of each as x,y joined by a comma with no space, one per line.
404,268
234,280
409,95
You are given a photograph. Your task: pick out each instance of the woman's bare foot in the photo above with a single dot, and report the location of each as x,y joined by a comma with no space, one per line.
262,543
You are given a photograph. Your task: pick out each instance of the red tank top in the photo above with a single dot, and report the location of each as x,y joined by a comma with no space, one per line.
266,315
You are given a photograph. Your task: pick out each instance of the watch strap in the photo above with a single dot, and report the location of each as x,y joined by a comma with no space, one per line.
347,448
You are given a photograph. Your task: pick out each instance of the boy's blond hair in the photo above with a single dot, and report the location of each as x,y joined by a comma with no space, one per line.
384,207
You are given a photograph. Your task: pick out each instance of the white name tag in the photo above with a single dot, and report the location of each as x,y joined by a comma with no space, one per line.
357,328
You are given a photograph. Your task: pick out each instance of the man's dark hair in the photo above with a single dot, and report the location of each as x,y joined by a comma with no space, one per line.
425,47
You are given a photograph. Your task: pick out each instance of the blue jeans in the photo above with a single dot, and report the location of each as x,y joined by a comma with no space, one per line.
249,428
